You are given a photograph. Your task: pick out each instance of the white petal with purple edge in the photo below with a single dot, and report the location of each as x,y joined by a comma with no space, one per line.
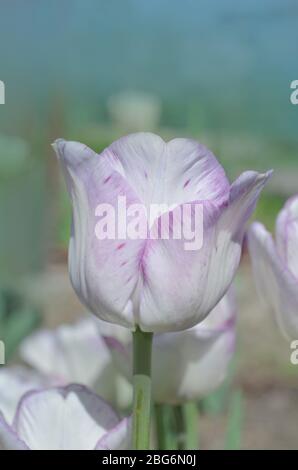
104,273
65,418
8,438
287,234
156,284
275,283
118,438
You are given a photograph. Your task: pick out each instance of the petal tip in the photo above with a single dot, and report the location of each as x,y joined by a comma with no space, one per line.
269,173
264,177
58,146
256,228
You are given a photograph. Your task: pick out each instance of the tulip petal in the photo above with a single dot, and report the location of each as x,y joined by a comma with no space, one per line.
222,317
287,234
69,418
104,273
275,283
169,173
15,381
180,287
106,329
8,438
201,364
118,438
194,173
200,356
64,353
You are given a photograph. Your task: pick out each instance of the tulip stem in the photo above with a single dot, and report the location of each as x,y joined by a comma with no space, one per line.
190,413
142,351
166,427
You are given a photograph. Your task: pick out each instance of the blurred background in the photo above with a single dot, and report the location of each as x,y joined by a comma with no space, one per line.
93,70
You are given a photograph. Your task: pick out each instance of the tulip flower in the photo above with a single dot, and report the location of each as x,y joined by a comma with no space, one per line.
76,353
65,418
275,266
187,365
153,273
154,284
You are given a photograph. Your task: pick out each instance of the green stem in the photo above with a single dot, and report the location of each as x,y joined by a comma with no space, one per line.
191,425
235,421
179,420
166,427
142,349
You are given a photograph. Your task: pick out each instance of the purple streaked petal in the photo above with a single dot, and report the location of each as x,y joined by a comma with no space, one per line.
179,287
103,276
156,284
193,173
171,173
140,157
173,279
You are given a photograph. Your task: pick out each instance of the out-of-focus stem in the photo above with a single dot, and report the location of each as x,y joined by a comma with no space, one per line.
166,427
191,425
